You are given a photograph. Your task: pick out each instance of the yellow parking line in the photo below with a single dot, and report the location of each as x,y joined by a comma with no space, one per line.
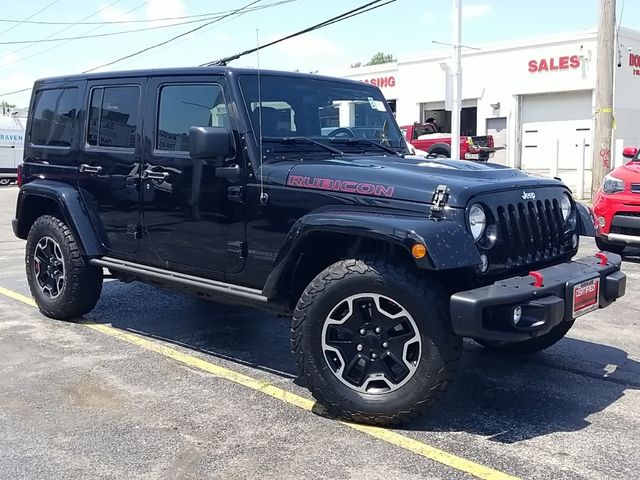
17,296
432,453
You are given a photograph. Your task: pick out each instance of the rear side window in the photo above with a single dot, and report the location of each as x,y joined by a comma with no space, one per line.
113,117
54,117
185,106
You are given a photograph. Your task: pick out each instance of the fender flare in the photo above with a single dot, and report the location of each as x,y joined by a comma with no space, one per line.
72,207
586,221
449,245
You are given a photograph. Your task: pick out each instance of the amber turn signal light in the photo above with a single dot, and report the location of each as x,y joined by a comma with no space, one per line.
419,251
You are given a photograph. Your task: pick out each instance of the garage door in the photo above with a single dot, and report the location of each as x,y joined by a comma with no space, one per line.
555,124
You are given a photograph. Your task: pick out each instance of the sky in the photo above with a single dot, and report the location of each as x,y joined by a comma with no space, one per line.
402,28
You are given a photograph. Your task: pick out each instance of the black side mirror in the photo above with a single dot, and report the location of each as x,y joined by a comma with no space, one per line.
210,143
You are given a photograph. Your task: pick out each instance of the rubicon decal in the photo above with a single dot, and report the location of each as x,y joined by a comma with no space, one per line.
346,186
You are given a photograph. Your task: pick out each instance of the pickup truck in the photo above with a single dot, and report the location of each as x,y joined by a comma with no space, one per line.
423,137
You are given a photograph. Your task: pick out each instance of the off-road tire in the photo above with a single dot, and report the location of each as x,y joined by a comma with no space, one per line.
609,247
83,282
422,298
533,345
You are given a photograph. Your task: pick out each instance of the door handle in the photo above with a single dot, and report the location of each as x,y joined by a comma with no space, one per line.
232,172
85,168
151,175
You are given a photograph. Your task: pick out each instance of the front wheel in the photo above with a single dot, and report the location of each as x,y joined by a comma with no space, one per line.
5,181
533,345
62,283
373,342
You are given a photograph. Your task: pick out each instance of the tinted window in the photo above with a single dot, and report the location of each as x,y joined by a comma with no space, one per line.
113,117
185,106
54,117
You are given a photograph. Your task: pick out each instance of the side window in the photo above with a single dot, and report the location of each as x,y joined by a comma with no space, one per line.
113,117
184,106
54,117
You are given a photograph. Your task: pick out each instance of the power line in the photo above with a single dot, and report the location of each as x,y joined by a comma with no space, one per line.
26,20
42,52
114,22
620,19
343,16
232,13
71,26
239,11
15,91
109,34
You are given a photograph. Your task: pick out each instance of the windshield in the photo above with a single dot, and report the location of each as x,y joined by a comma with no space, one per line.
350,118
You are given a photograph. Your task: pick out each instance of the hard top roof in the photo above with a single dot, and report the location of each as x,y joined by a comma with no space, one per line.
217,70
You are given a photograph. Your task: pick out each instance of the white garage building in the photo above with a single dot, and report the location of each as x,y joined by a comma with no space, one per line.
535,96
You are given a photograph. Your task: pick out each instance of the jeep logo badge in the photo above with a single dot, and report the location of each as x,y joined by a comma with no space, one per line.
528,195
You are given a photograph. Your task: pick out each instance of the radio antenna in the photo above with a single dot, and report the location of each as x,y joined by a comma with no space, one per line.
263,196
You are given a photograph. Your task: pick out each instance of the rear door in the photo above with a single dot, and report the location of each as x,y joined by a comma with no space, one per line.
193,218
109,170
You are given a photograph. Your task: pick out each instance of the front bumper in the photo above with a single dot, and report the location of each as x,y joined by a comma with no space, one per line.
487,312
624,229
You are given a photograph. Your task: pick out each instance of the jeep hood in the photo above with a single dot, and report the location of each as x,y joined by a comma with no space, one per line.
410,178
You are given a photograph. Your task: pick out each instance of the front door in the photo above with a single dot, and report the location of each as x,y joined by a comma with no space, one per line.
192,216
109,169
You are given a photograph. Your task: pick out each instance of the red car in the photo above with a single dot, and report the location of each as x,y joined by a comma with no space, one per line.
617,206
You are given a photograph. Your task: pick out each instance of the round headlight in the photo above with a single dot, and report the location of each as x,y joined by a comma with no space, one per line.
565,206
477,220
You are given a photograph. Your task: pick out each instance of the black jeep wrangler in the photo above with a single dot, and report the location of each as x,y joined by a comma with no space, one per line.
294,193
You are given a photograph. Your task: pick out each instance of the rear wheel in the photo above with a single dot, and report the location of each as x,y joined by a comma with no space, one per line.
5,181
62,283
608,246
373,342
533,345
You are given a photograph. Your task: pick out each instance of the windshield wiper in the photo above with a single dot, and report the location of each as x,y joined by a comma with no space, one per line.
360,141
286,140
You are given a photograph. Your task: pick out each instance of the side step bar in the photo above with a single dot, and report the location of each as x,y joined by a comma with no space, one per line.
243,295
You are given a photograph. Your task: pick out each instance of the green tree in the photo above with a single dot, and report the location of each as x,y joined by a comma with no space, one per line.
380,58
6,107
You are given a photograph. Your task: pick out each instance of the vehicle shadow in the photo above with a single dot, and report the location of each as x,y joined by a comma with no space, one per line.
631,255
507,399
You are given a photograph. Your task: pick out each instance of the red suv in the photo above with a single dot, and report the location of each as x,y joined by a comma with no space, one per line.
617,206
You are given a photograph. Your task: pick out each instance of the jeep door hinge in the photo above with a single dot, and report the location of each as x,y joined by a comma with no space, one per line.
239,248
135,231
235,193
439,200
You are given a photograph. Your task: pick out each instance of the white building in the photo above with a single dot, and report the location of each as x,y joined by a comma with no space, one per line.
535,96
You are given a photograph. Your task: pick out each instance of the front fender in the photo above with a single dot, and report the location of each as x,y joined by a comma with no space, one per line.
70,204
586,221
449,245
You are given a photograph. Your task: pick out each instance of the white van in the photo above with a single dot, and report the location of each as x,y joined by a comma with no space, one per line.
11,146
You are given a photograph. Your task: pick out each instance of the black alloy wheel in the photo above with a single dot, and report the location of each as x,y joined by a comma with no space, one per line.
371,343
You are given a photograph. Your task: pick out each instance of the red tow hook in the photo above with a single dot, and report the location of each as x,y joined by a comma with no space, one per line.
603,258
538,279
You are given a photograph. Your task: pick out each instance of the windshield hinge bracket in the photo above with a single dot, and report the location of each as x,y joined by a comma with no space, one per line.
439,200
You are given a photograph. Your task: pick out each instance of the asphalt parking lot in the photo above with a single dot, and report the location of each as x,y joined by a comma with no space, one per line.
159,385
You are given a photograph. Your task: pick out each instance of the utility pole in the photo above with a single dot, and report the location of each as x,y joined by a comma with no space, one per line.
456,104
602,157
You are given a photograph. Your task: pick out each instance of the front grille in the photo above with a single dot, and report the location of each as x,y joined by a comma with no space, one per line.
635,187
625,230
528,232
